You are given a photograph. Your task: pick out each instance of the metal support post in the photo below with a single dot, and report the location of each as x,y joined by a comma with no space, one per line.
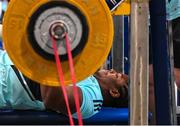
117,49
126,44
165,113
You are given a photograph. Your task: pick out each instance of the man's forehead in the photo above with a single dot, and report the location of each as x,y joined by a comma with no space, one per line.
105,70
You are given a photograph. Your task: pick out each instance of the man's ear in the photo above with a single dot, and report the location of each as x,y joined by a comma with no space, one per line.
114,93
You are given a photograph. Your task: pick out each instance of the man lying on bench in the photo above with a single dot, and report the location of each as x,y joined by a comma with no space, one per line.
105,88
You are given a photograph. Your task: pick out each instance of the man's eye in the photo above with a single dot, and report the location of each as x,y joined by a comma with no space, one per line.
106,73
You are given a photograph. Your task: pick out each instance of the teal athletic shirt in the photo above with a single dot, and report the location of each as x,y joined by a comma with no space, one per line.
173,9
16,94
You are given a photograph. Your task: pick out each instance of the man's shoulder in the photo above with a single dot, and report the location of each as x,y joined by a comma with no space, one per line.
90,89
89,81
92,97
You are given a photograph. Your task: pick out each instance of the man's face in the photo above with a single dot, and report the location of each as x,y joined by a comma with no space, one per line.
113,78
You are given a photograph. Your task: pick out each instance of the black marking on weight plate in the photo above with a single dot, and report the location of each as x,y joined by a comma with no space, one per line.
113,4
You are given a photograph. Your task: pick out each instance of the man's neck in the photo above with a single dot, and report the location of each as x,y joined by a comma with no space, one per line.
107,98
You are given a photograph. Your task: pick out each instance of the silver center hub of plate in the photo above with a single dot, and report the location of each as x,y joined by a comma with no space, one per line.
56,22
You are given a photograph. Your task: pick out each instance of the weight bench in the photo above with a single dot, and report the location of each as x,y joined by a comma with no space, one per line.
108,116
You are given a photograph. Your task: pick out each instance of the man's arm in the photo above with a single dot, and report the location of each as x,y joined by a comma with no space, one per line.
54,100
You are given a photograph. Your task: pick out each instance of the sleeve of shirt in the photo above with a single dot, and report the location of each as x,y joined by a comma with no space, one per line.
92,97
86,109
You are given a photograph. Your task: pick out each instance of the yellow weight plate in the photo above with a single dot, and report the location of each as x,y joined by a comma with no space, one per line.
32,64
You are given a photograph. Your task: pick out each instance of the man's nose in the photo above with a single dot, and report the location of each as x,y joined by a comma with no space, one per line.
125,77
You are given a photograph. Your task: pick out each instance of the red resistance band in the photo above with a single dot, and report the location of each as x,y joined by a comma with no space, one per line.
61,78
